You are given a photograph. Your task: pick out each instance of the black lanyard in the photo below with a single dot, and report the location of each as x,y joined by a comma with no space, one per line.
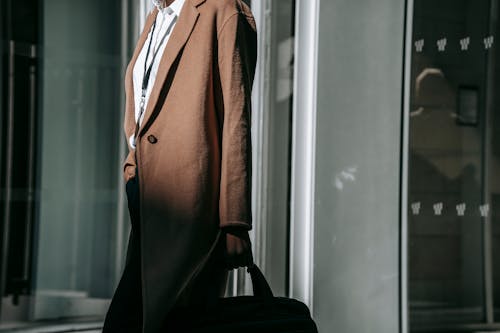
145,80
147,71
147,74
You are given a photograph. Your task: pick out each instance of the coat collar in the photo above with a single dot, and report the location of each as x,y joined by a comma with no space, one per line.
180,34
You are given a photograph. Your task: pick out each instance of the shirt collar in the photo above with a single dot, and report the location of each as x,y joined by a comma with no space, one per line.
176,5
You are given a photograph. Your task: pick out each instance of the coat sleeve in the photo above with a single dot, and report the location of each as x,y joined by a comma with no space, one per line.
237,55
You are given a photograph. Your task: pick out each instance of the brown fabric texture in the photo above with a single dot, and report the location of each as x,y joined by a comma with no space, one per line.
193,149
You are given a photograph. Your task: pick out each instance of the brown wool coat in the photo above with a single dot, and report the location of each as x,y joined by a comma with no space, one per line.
194,146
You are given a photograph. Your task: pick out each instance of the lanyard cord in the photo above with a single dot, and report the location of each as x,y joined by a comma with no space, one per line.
147,72
145,81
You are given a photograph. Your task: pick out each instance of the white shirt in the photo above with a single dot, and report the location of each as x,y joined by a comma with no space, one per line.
165,22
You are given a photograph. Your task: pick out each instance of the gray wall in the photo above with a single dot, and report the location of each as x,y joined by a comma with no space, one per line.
356,226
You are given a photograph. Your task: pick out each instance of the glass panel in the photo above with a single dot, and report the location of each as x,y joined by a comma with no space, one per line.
451,182
279,94
79,138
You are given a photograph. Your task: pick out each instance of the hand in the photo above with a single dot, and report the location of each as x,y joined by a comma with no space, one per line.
238,248
128,178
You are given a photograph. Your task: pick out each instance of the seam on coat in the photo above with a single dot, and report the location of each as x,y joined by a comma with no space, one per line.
200,266
225,22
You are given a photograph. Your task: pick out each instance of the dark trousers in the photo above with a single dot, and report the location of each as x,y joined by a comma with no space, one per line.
125,311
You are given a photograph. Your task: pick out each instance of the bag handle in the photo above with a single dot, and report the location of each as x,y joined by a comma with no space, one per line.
259,283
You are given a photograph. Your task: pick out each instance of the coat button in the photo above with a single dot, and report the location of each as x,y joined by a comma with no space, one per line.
152,139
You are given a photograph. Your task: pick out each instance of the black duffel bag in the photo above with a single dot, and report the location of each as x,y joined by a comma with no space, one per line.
261,313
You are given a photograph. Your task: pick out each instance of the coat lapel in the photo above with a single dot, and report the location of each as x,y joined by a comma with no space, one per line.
179,36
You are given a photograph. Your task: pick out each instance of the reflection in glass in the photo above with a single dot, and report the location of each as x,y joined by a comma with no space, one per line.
453,166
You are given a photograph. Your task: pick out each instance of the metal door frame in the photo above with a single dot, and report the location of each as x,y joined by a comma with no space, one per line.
303,151
405,148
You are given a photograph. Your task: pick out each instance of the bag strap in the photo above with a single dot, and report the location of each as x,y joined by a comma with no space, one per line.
259,282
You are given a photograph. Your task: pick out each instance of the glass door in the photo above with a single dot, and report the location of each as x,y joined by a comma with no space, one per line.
454,167
79,154
64,218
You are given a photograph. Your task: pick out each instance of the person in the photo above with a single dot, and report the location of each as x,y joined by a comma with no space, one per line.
189,166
